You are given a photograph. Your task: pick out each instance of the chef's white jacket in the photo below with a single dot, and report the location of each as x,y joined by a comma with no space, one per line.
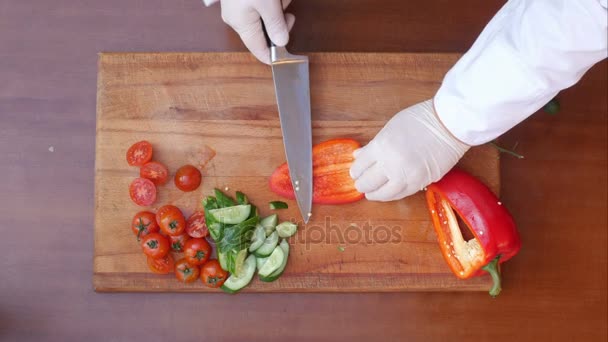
527,53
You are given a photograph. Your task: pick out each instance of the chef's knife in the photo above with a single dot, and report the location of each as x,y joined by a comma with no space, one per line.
292,89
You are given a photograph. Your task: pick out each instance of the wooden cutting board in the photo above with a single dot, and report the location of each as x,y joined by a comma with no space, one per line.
186,103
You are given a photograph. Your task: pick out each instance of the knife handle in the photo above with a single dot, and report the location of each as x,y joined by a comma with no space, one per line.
268,41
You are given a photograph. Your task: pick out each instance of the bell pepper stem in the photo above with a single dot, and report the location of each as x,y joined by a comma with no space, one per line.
492,268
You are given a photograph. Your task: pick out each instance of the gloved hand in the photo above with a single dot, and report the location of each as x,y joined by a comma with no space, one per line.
413,150
244,17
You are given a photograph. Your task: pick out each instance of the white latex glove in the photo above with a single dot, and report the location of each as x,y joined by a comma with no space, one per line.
413,150
244,17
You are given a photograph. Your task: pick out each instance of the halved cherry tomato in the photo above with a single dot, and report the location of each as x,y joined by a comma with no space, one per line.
171,220
144,223
162,265
196,226
178,242
187,178
139,153
212,274
186,272
197,251
155,245
154,171
142,192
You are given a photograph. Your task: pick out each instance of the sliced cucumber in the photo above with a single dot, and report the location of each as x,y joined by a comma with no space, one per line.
275,260
233,284
259,235
286,229
279,271
260,262
231,215
274,205
223,259
269,223
268,231
268,246
239,260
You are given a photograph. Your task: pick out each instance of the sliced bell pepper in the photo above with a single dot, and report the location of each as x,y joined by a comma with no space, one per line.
490,236
332,184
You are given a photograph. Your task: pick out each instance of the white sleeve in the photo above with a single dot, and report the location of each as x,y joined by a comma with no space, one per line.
528,52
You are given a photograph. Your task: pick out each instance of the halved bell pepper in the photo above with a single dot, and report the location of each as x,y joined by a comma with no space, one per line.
490,236
332,184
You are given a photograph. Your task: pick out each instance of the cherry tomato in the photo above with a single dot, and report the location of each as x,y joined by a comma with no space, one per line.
186,272
154,171
212,274
162,265
178,242
187,178
196,226
139,153
144,223
171,220
155,245
143,192
197,251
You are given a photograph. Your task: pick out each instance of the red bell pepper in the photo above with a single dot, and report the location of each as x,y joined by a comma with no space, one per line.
490,236
332,184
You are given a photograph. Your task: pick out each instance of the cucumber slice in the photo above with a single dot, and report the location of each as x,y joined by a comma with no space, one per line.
269,223
278,205
286,229
275,260
223,259
260,262
276,274
239,260
268,246
259,235
233,284
231,215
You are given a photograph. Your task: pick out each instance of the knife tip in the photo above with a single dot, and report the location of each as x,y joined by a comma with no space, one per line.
306,217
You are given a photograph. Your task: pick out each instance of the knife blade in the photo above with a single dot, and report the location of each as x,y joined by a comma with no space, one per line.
292,89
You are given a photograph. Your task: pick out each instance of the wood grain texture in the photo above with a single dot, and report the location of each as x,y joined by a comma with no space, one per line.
557,285
184,103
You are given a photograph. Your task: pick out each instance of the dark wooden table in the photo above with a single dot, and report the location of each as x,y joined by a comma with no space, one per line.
554,290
